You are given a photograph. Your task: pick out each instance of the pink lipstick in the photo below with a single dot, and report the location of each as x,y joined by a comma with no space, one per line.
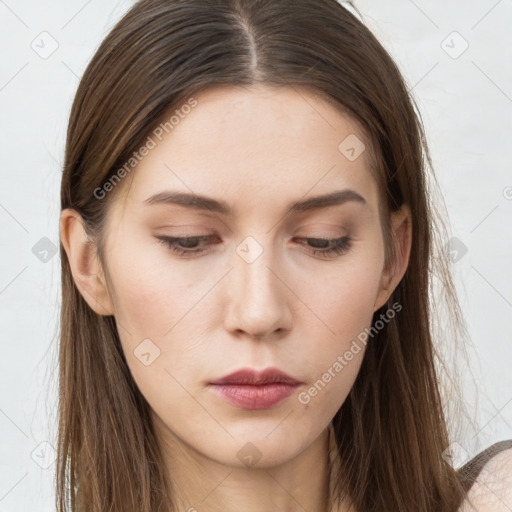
253,390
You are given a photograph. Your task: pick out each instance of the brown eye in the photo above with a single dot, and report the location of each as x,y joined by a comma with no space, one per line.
330,247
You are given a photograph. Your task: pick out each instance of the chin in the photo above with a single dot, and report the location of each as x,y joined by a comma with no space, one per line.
255,447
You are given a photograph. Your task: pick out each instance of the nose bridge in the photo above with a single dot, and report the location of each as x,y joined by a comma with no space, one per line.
258,303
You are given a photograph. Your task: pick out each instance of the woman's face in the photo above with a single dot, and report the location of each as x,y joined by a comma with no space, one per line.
257,291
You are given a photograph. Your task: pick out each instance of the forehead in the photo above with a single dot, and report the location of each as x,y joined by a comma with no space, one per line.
254,144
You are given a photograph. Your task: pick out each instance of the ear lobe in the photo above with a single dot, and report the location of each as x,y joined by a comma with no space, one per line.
401,228
84,262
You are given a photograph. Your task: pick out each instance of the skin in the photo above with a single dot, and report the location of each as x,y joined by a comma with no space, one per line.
258,149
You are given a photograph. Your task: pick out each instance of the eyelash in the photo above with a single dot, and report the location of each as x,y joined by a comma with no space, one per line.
341,245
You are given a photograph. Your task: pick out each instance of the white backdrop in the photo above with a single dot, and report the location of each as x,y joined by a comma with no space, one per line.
457,58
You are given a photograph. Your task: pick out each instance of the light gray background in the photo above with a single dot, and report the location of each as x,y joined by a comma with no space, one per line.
466,103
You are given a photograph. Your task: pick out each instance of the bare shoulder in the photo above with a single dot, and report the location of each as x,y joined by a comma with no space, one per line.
492,490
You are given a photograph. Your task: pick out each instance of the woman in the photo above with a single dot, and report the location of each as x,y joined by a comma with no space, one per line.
246,241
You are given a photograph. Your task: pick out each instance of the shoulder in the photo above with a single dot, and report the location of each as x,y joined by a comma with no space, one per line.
492,487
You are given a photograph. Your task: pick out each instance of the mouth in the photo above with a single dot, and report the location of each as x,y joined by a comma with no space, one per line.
253,390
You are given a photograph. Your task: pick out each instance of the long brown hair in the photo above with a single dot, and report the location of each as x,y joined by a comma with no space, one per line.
391,431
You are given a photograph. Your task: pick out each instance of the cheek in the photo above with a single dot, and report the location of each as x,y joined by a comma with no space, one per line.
342,300
343,311
162,308
159,311
152,293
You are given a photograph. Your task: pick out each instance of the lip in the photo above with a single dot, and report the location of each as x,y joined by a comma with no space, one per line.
252,390
250,377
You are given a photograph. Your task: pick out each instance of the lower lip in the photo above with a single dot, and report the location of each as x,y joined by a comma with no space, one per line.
254,397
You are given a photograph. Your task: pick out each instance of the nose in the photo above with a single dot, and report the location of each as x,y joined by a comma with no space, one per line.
259,298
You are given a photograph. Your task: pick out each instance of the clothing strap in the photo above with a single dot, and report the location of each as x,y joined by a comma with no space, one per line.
469,472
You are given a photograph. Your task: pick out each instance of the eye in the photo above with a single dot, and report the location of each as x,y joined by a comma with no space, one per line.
191,245
330,247
185,245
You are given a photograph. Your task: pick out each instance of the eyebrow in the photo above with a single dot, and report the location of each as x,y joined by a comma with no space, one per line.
199,202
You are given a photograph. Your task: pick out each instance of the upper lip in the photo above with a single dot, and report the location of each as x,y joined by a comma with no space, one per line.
248,376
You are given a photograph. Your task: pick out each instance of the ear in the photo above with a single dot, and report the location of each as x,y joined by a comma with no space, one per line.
84,262
401,228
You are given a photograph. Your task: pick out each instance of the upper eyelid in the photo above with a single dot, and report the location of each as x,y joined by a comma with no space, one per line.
205,231
207,236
